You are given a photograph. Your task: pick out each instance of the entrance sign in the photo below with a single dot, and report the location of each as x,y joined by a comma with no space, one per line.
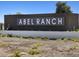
42,22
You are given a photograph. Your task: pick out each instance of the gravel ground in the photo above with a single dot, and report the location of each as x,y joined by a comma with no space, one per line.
46,48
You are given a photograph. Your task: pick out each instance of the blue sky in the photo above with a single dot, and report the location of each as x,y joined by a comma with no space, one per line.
32,7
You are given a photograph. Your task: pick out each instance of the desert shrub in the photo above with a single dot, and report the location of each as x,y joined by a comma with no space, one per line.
45,38
62,38
71,39
38,38
0,35
67,39
24,37
74,47
75,39
34,51
29,37
36,45
3,35
53,39
77,30
9,35
16,53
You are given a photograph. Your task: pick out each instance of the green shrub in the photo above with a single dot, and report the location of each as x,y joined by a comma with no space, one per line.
3,35
29,37
9,35
77,30
36,45
74,47
34,51
45,38
67,39
53,39
38,38
16,53
75,39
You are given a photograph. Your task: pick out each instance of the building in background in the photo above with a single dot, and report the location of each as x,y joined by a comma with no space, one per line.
42,22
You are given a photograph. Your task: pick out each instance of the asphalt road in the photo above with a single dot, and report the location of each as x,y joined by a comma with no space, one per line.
49,34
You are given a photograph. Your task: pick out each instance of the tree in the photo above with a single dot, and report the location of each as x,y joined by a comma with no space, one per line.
62,8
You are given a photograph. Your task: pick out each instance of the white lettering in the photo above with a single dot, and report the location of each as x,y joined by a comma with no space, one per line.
59,20
42,21
24,21
47,21
38,21
20,21
54,21
32,22
28,21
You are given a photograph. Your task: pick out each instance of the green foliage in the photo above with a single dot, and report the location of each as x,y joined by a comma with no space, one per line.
38,38
71,39
74,47
62,8
77,30
6,35
75,39
34,51
66,39
3,35
16,53
45,38
36,45
9,35
29,37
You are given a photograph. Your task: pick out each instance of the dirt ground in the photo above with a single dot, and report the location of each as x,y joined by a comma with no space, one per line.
13,47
